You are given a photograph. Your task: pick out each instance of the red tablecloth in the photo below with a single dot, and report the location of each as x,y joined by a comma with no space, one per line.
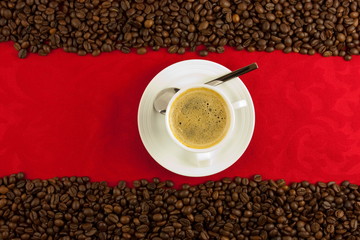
64,115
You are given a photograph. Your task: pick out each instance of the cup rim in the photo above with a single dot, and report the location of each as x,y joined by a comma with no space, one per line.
229,131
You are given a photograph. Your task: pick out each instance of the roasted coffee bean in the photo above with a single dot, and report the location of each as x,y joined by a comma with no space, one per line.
3,189
148,23
220,49
238,208
59,223
271,17
354,51
347,57
203,53
244,197
22,53
3,203
203,25
75,22
248,23
94,27
225,3
142,228
125,50
257,178
157,217
279,46
141,51
113,218
235,18
339,213
181,50
284,28
303,51
125,219
173,49
327,54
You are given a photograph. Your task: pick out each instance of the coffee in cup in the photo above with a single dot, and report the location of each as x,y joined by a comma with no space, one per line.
199,117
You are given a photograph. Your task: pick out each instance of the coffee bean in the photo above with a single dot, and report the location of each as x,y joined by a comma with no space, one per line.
141,51
3,203
225,3
184,222
271,17
288,41
248,23
354,223
181,50
257,178
220,49
75,22
6,13
259,8
113,218
303,51
311,51
142,228
88,212
187,210
3,189
139,25
235,18
59,223
203,53
148,23
81,52
347,57
301,191
354,51
247,209
326,205
125,50
173,49
327,54
244,197
106,48
265,26
279,46
125,219
203,25
262,220
157,217
17,46
284,28
339,213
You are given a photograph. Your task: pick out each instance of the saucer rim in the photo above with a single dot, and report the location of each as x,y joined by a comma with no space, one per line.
202,171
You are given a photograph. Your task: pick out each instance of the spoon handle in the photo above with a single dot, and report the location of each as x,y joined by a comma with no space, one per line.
233,74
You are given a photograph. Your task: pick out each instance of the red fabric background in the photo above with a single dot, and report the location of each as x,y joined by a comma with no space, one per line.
64,115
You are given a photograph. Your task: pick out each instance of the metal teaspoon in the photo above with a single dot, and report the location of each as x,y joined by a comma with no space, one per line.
164,96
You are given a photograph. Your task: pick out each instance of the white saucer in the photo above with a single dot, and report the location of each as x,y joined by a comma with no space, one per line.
152,124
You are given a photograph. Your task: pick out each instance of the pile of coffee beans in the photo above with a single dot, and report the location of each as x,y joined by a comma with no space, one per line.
231,208
327,27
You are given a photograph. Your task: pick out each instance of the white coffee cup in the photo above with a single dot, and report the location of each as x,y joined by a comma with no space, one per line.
204,155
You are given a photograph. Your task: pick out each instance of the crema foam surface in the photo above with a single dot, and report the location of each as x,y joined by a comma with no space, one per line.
199,118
